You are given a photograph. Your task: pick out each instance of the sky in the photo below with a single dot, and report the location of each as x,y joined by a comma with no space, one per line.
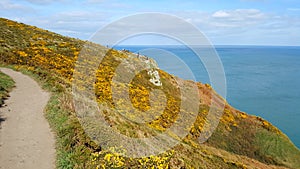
223,22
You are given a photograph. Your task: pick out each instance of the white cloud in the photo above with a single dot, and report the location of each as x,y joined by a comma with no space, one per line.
77,16
221,14
240,15
80,24
8,5
43,2
245,26
254,0
105,4
293,9
226,20
95,1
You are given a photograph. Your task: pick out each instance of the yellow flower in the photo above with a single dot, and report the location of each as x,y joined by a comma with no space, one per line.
107,157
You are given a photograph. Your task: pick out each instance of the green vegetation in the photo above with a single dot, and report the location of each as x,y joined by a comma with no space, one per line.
6,84
277,148
240,140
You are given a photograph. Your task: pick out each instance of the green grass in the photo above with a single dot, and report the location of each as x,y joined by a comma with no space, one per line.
6,84
73,147
277,148
251,139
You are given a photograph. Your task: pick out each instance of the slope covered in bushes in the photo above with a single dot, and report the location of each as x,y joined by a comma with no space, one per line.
240,140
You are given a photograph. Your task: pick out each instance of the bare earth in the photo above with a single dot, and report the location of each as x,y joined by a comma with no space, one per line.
25,138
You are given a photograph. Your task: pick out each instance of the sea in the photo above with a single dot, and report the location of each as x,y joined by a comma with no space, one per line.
260,80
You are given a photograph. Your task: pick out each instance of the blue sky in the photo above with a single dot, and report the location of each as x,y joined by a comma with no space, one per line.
224,22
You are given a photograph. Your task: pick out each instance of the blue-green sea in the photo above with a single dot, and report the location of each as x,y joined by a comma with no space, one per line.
261,80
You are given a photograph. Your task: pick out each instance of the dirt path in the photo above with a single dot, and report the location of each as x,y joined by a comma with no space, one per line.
25,138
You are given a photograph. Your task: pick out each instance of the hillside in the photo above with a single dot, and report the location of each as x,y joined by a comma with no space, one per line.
240,140
6,84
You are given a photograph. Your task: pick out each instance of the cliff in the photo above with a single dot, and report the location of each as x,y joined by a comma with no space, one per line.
239,141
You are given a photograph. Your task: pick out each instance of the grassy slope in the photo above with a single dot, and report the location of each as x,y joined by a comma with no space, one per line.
6,84
238,138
